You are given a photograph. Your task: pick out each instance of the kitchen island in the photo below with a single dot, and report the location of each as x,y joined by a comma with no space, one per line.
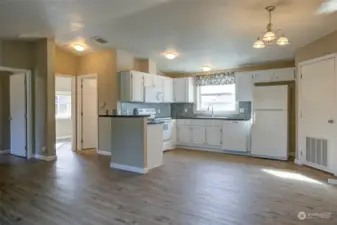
136,144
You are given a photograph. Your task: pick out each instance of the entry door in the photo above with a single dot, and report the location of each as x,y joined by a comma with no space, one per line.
318,109
89,113
18,115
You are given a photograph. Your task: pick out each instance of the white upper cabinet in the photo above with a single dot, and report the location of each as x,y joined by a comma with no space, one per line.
244,86
286,74
168,89
275,75
132,86
263,76
183,89
148,80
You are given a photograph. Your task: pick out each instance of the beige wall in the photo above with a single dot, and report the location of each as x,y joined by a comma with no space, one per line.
324,46
104,64
66,63
4,111
37,56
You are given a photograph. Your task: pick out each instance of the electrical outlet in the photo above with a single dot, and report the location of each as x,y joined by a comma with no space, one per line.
158,110
241,110
185,110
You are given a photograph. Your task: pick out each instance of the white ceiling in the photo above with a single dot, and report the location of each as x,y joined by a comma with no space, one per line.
217,32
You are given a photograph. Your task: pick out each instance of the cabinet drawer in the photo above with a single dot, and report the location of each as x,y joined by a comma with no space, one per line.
183,122
197,122
213,123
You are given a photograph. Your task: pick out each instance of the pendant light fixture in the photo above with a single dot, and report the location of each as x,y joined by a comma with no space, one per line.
270,36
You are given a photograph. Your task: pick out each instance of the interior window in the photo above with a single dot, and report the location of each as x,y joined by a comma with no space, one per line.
63,105
219,99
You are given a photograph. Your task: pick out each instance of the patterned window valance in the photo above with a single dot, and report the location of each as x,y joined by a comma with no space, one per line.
216,79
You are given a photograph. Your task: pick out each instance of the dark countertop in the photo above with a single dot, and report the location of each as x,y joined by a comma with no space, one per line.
155,122
211,118
123,116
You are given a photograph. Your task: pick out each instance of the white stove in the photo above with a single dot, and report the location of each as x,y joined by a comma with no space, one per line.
167,124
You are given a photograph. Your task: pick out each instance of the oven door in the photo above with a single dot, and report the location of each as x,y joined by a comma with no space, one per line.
167,130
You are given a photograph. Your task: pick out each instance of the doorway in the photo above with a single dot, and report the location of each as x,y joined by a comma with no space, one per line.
87,112
16,112
318,112
65,113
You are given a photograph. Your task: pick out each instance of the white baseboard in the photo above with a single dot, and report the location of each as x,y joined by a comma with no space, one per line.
45,158
102,152
298,162
332,181
2,152
128,168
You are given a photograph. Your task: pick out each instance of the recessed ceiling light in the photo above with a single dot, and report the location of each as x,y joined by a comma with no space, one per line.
170,55
206,68
79,48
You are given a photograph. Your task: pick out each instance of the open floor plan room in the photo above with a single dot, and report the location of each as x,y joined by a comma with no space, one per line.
190,188
168,112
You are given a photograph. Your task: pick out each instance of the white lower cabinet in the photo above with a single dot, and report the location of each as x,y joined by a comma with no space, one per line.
235,135
214,136
184,135
198,135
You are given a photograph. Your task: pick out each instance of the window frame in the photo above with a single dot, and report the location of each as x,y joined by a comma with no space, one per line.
68,116
199,112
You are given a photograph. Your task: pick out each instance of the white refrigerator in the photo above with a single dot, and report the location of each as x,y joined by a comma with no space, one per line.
270,122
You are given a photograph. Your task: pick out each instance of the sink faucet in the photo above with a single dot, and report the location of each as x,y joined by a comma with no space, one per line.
209,107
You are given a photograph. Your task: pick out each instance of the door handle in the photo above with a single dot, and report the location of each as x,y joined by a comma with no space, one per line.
331,121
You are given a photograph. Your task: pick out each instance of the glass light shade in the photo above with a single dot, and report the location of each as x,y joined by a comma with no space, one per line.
283,41
206,68
79,48
269,36
258,44
170,55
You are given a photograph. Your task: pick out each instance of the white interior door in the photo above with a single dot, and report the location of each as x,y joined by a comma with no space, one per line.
89,113
18,115
317,114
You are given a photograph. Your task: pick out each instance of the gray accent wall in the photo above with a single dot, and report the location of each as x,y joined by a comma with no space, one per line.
4,111
128,141
163,109
186,110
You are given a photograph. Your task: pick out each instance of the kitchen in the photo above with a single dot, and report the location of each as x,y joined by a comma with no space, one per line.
229,112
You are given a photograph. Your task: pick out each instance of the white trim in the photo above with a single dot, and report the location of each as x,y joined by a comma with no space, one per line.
73,109
128,168
332,181
298,162
299,133
79,106
29,108
63,137
317,59
3,152
45,158
102,152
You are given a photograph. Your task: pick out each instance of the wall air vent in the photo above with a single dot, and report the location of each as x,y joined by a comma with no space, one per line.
99,40
317,151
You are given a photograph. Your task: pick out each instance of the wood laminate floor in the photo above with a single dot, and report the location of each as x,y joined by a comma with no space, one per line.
192,188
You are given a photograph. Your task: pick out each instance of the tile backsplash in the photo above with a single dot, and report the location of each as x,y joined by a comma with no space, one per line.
181,110
187,110
163,109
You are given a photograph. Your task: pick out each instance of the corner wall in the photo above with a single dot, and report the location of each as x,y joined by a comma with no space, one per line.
323,46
